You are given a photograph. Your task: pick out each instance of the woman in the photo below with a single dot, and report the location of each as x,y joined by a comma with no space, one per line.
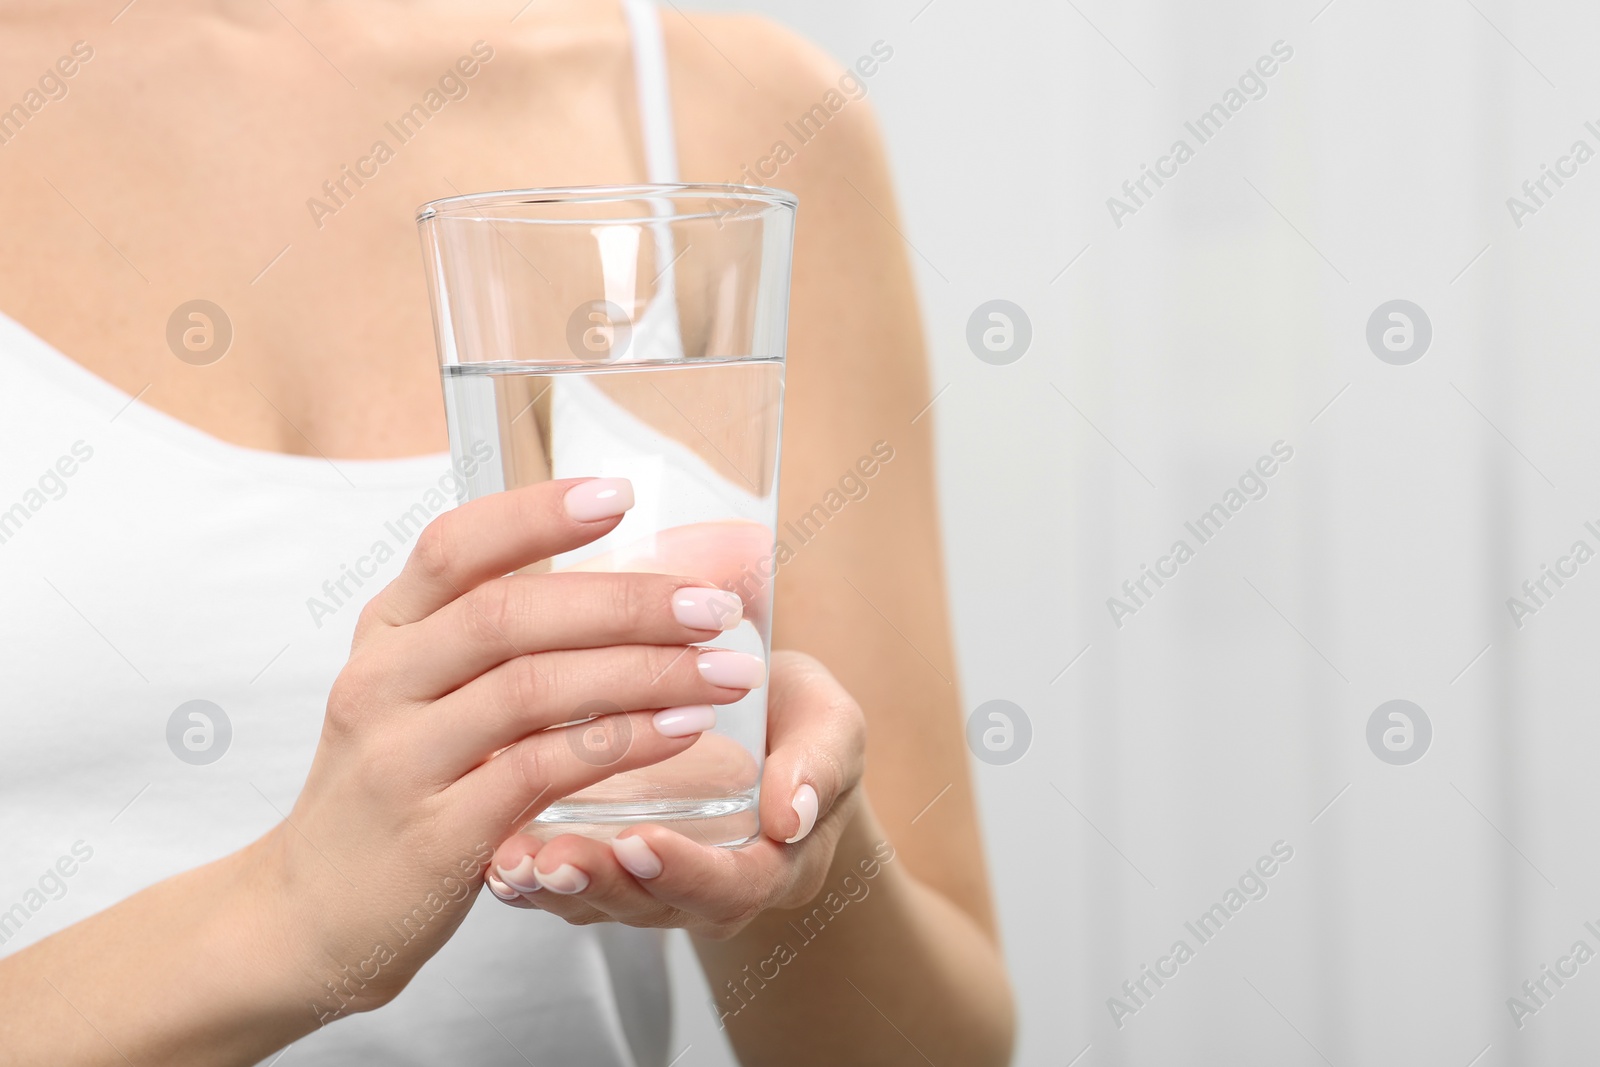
183,531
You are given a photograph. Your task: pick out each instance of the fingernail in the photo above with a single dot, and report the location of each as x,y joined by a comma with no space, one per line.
732,670
522,877
707,609
681,722
598,498
805,806
565,879
500,889
636,856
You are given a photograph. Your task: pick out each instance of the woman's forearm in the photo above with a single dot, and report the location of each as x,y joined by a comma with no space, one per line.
191,972
878,968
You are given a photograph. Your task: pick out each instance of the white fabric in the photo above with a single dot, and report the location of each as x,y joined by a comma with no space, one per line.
661,167
169,566
655,94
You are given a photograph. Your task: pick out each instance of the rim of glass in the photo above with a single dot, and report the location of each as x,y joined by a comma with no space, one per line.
480,205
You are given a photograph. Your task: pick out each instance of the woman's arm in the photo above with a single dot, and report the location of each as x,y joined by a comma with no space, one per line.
916,962
820,884
197,969
849,931
871,938
876,968
442,736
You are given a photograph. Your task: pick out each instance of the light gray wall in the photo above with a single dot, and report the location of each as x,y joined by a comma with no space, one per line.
1228,313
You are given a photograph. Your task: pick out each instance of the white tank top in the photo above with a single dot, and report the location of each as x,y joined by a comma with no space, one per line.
145,564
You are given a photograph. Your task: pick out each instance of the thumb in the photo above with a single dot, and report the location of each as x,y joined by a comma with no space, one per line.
816,739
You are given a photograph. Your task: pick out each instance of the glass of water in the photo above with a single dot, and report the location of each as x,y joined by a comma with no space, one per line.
634,332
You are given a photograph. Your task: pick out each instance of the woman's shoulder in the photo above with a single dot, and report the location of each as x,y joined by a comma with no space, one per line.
776,59
758,103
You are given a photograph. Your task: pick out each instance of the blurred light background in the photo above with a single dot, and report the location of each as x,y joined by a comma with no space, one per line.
1229,312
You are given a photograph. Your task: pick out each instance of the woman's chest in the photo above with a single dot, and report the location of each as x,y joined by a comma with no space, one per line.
226,229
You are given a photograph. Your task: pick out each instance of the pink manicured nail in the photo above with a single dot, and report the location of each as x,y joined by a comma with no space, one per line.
805,806
565,879
500,889
732,670
707,609
681,722
636,856
522,877
598,498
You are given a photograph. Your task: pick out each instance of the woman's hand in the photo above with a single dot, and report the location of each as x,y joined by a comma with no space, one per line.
439,736
652,876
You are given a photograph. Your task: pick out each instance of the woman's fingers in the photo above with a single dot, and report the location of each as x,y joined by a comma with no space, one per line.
816,740
510,874
506,792
583,880
525,613
495,535
580,880
721,888
650,875
528,694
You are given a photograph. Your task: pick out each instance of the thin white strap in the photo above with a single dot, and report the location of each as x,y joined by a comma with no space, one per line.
655,92
656,334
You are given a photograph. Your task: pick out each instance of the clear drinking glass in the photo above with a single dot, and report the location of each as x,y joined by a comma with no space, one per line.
632,332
